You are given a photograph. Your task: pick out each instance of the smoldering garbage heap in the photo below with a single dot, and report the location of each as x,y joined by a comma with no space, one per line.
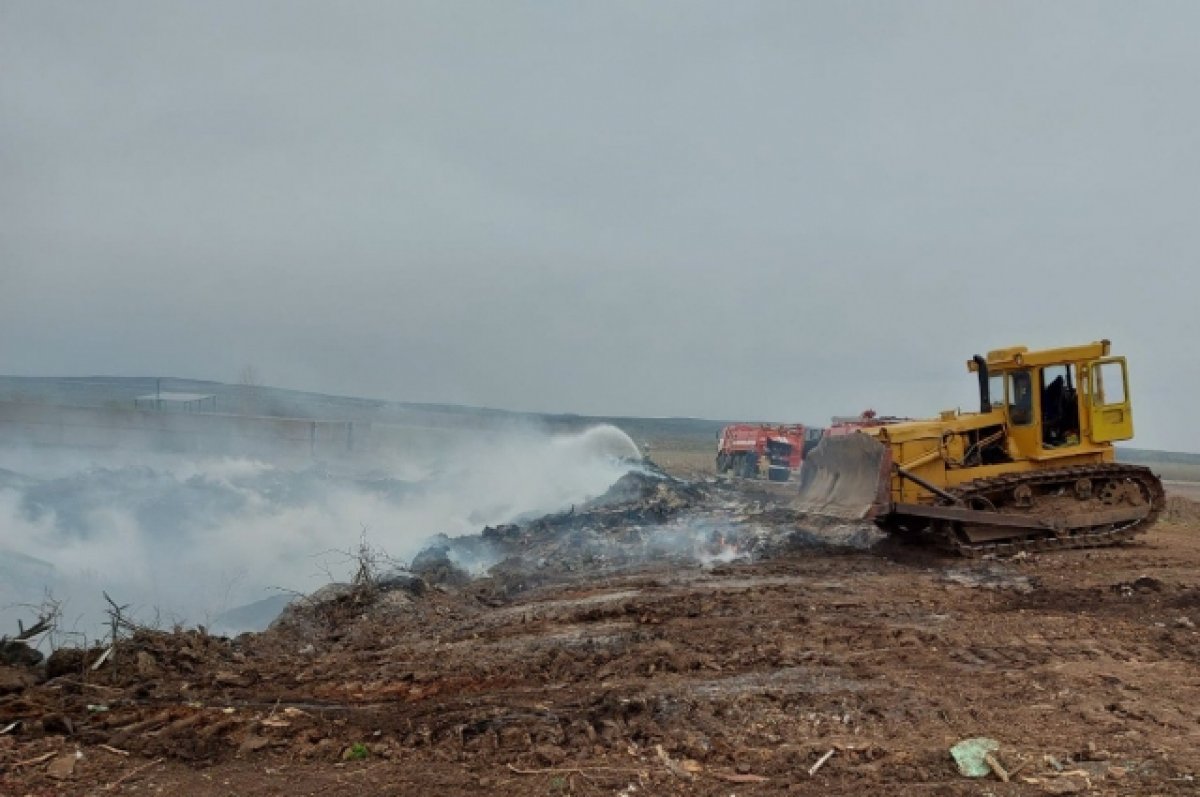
646,519
617,529
622,528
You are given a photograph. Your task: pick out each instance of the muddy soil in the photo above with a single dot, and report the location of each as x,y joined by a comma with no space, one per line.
796,667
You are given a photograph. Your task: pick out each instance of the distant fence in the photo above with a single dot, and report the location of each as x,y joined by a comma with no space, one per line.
43,425
211,433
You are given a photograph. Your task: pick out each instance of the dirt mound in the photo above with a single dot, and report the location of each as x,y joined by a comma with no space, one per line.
15,679
337,606
18,654
146,658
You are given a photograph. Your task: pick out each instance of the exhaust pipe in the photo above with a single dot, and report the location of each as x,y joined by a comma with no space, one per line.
985,395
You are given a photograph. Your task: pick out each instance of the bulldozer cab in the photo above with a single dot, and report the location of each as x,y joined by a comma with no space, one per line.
1060,401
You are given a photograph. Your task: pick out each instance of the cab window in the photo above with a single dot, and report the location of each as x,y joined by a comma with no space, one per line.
1108,384
1060,406
1020,398
996,391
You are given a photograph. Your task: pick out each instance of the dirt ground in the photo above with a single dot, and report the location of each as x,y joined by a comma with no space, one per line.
1186,489
803,668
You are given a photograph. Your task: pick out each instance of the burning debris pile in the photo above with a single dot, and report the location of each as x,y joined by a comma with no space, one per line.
625,526
647,518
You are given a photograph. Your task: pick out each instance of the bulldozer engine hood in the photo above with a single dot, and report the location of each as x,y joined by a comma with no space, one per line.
952,422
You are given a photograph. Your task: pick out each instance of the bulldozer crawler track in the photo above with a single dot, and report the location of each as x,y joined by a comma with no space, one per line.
1038,538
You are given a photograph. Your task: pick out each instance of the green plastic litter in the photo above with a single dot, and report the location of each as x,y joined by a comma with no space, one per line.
969,753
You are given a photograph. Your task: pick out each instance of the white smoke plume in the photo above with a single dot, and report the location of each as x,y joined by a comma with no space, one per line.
184,538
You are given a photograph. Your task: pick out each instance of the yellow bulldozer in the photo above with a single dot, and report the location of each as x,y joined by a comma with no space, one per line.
1033,469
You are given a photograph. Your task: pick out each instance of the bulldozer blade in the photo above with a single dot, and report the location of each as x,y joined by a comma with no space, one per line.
846,477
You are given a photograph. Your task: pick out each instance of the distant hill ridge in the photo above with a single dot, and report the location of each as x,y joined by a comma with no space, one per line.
120,391
1150,455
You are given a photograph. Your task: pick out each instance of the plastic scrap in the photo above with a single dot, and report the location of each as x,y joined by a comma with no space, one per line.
970,754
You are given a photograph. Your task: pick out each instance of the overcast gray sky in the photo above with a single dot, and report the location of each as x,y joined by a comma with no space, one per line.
773,210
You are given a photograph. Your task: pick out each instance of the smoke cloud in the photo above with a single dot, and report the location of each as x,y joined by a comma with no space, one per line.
183,539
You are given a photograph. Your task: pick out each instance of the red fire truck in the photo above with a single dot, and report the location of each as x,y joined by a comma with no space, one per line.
753,450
